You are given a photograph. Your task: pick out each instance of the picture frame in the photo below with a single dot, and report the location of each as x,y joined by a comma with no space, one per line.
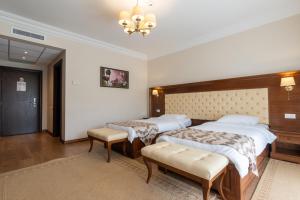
114,78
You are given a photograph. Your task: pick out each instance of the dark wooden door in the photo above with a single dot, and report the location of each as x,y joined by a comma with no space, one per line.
20,107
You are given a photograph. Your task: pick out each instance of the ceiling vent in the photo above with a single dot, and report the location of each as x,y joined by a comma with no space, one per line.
17,31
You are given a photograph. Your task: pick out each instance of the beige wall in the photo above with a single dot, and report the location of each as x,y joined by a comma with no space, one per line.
45,89
271,48
87,105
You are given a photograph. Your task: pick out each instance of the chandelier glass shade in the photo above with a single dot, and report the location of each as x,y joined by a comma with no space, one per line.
137,21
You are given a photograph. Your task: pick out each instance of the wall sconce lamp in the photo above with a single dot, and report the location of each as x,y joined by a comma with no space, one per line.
156,105
155,93
288,83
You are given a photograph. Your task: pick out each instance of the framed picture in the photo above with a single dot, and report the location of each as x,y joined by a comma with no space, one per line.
114,78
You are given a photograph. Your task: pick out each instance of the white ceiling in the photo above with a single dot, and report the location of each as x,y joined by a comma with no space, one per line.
181,24
19,51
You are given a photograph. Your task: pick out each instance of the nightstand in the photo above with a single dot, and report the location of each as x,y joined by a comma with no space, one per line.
287,146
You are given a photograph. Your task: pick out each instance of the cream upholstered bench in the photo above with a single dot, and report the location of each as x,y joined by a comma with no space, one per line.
108,136
201,166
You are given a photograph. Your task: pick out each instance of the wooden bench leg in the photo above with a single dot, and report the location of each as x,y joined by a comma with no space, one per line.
206,190
92,143
108,151
220,185
149,167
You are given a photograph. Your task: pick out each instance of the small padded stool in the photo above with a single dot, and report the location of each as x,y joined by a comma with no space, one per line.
108,136
201,166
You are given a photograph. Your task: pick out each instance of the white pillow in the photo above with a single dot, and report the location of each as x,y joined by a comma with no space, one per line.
174,116
239,119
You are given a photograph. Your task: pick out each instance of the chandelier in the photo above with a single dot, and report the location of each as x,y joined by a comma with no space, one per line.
137,21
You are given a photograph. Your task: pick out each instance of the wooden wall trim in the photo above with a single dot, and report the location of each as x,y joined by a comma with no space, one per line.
247,82
278,101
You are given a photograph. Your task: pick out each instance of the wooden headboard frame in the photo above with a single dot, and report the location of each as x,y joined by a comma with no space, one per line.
278,99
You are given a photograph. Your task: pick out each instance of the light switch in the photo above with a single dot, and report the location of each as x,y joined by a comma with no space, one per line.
75,82
289,116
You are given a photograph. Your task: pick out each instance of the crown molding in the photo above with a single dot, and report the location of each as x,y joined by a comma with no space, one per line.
240,27
35,26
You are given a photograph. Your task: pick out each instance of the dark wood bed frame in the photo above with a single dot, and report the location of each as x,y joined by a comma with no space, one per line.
133,150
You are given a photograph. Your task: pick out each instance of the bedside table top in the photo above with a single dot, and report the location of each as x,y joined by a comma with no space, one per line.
287,137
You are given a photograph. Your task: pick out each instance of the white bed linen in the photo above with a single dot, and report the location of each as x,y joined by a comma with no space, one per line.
260,134
164,124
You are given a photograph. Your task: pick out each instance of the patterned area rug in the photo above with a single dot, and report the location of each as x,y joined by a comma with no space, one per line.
280,181
89,177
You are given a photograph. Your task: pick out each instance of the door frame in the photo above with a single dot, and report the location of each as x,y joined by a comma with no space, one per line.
40,75
60,61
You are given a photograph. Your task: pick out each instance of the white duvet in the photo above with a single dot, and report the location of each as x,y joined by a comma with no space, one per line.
260,134
164,124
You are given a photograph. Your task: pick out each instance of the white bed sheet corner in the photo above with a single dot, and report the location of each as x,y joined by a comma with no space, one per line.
260,134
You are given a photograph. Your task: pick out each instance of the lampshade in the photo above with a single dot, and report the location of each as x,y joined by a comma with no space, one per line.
130,28
145,32
287,81
137,14
150,21
124,18
155,92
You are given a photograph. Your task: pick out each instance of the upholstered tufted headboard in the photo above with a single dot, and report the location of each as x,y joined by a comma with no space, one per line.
214,104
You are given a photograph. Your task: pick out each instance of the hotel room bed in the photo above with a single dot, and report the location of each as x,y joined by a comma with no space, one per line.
239,181
260,134
163,123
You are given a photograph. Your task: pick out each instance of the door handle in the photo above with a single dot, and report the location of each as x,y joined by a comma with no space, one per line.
34,102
